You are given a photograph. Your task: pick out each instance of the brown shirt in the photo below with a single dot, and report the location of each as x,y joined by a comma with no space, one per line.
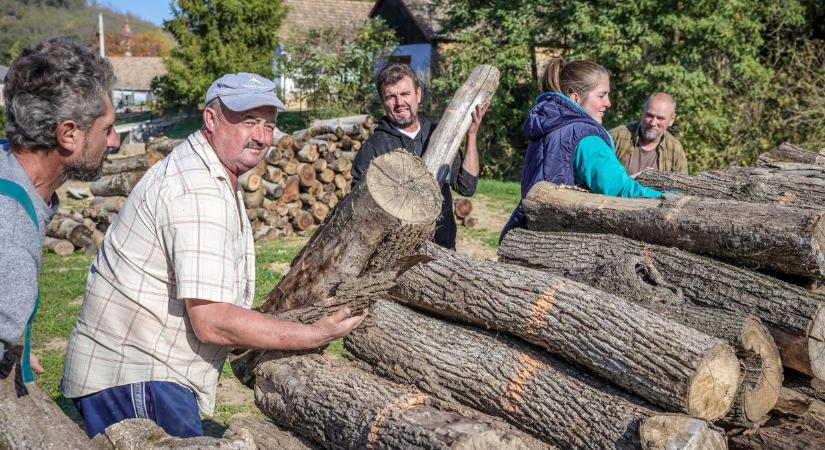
641,159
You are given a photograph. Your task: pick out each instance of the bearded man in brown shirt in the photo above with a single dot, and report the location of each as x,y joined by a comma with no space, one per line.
647,143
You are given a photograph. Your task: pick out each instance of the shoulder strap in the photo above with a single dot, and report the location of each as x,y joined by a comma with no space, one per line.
15,191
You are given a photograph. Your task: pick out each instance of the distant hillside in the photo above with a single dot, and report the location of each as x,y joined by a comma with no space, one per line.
24,23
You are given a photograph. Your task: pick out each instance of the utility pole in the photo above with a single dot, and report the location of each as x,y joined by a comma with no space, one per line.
100,35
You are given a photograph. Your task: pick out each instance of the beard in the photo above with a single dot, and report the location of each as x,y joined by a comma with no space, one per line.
651,134
85,169
403,123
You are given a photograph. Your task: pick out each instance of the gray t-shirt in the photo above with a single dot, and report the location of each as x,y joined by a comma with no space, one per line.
22,247
641,160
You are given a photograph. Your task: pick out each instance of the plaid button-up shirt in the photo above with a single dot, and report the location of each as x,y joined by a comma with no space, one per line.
182,235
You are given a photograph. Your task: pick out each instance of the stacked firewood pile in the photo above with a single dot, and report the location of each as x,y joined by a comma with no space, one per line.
303,176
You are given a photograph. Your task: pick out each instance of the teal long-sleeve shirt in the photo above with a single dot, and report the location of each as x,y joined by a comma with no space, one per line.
596,166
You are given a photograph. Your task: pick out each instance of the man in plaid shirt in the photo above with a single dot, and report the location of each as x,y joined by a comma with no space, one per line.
170,290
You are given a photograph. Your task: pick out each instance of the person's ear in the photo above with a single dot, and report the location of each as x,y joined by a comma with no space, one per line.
672,119
68,136
210,119
576,97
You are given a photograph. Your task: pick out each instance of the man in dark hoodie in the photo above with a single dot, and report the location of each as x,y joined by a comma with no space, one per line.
402,127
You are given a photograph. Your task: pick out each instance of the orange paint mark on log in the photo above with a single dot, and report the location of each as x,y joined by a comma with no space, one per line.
648,254
514,396
400,404
787,198
677,208
542,306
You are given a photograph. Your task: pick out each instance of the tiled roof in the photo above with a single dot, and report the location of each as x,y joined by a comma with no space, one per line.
305,15
428,15
136,72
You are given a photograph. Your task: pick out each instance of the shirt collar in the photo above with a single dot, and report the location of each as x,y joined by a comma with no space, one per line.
203,149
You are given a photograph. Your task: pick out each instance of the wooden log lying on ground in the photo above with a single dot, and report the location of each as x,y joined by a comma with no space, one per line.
145,434
793,153
794,316
782,239
445,141
136,163
637,279
790,169
743,184
266,434
162,144
798,424
385,218
498,375
60,247
675,431
29,419
111,204
75,232
339,406
666,363
118,184
354,293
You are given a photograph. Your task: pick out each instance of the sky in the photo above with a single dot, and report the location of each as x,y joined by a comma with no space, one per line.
155,11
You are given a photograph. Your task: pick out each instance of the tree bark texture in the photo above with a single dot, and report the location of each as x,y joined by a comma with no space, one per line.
666,363
355,294
782,239
131,163
790,169
637,279
743,184
675,431
119,184
75,232
60,247
794,153
445,141
341,407
29,419
793,315
145,434
798,424
266,434
385,218
498,375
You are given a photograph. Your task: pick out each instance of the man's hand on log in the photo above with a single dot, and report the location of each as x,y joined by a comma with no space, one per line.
478,115
338,325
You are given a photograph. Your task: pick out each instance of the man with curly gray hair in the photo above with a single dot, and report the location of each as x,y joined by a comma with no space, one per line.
60,124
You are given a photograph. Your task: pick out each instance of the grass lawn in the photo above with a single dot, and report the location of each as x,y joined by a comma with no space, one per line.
63,279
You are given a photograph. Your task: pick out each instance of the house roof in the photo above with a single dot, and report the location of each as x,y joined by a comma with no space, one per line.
428,15
3,71
305,15
136,72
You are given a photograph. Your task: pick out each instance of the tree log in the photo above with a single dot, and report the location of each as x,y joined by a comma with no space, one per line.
743,184
134,163
145,434
341,407
303,220
266,434
798,425
60,247
498,375
162,144
253,199
292,189
391,213
462,207
111,204
794,153
794,316
309,152
320,212
65,228
349,124
637,279
790,169
113,185
445,141
273,190
666,363
782,239
29,419
675,431
306,175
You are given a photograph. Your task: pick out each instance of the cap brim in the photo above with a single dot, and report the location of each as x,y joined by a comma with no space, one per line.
246,102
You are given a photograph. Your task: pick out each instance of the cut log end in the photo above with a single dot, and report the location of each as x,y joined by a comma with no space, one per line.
816,344
669,431
394,184
760,394
714,384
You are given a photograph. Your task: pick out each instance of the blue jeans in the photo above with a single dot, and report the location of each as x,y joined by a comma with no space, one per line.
172,406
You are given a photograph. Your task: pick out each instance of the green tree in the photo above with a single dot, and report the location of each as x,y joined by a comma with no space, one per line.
334,68
216,37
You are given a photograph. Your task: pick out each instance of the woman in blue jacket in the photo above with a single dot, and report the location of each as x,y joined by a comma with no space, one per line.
568,144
